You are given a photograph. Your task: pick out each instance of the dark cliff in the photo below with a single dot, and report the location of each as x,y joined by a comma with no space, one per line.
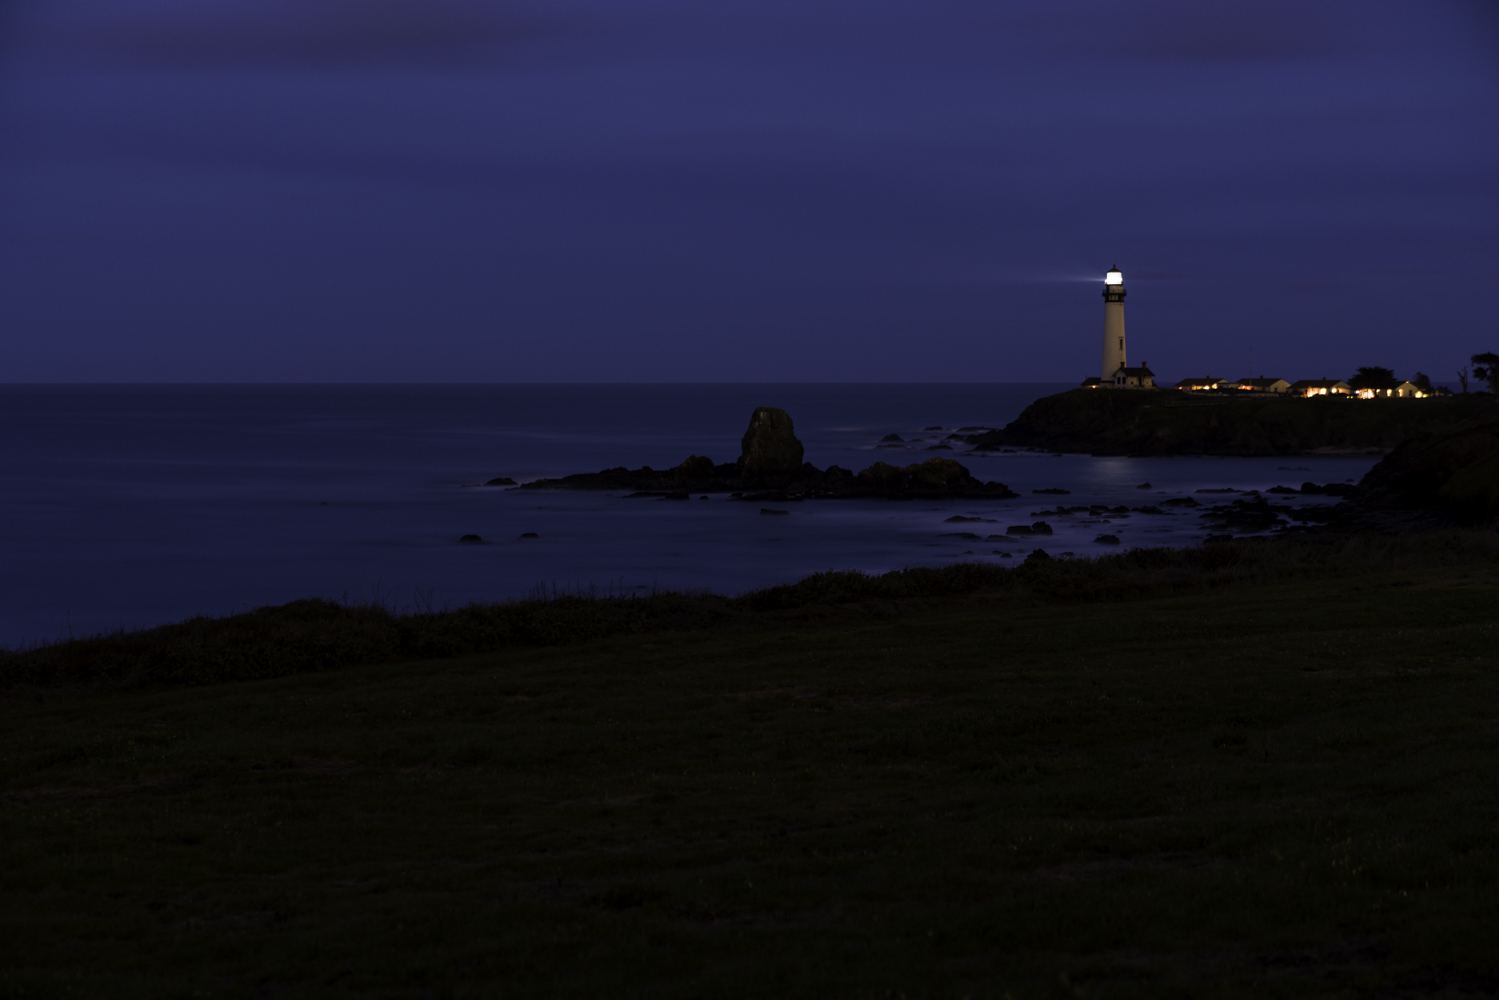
1114,422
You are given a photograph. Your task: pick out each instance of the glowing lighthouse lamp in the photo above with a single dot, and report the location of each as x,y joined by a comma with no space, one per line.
1114,371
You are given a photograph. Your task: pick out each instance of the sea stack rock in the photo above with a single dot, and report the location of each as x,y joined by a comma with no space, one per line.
770,454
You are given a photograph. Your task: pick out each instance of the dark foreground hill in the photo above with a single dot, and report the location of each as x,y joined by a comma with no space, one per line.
1282,788
1107,422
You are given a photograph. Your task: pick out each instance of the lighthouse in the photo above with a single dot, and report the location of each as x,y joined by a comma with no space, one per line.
1113,325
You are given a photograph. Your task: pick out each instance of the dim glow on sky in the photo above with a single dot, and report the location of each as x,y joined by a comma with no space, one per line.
741,190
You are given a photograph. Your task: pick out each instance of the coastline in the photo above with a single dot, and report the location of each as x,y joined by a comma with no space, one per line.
1161,422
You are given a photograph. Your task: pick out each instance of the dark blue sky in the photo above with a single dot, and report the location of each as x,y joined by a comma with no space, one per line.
717,190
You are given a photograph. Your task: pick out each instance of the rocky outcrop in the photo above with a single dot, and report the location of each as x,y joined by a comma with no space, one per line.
769,454
934,479
770,467
1473,491
1454,471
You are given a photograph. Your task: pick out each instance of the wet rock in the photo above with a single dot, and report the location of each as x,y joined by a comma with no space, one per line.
1180,502
1020,529
882,477
1107,539
1144,486
1037,556
959,519
694,469
1248,516
937,474
471,540
501,481
891,437
767,510
676,496
1331,490
530,534
770,455
1283,489
931,428
1054,490
961,534
1041,528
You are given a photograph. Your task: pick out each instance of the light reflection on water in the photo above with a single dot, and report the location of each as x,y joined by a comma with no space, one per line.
133,506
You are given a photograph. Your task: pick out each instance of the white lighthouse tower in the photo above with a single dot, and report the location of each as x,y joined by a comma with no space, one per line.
1113,325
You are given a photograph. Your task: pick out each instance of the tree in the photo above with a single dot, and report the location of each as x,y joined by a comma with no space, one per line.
1486,369
1462,378
1422,381
1374,378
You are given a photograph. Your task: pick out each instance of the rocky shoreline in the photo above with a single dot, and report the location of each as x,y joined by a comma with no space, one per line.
770,468
1438,478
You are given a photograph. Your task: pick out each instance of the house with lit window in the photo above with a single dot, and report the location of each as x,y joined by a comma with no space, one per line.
1405,390
1199,384
1134,378
1321,387
1262,384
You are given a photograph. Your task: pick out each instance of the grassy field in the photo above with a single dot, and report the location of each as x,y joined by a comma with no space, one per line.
1283,788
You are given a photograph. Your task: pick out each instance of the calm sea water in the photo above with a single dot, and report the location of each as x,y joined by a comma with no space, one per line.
128,506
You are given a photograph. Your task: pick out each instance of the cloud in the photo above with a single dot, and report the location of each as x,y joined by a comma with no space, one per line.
292,33
1224,31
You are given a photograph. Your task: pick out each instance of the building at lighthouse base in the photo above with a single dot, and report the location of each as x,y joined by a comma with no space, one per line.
1124,378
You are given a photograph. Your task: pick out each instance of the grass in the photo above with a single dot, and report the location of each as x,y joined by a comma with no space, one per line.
313,635
1280,784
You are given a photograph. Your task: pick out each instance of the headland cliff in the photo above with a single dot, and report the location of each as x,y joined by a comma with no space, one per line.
1144,423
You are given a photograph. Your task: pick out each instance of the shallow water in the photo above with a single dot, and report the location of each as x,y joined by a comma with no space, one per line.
126,506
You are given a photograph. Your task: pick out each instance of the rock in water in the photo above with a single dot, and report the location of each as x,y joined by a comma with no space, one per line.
770,453
696,468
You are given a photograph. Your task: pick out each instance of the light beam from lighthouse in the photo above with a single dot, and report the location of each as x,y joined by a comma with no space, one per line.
1113,325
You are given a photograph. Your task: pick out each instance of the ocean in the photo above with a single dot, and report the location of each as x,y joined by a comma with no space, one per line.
131,506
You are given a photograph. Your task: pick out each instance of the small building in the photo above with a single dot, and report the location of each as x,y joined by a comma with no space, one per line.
1134,378
1199,384
1321,387
1405,390
1094,382
1262,384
